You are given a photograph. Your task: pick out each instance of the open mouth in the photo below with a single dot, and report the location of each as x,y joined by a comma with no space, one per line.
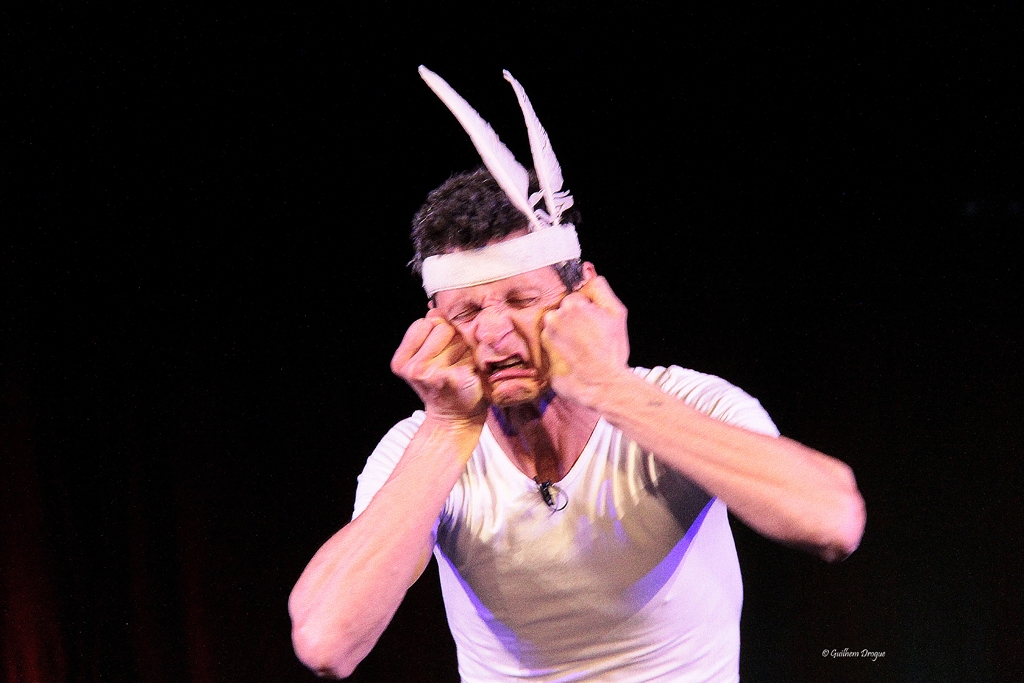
510,362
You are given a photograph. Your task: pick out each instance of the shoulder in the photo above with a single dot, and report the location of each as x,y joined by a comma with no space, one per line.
402,432
384,458
711,395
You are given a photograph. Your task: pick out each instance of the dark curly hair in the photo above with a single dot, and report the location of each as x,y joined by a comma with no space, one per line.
469,210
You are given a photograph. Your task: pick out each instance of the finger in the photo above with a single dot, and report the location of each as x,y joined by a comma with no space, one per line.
461,354
437,314
600,292
466,363
558,323
464,377
411,342
437,341
456,351
547,331
574,300
549,321
556,365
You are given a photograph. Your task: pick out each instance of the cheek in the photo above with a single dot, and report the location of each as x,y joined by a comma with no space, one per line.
468,335
528,327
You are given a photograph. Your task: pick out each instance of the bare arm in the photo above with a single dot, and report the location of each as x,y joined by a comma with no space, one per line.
352,587
780,488
777,486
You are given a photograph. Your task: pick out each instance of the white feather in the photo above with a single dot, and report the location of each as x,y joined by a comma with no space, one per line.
508,173
549,172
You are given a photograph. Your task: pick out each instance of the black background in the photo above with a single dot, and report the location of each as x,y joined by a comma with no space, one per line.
205,214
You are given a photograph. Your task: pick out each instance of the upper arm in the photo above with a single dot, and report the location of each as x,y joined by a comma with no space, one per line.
714,397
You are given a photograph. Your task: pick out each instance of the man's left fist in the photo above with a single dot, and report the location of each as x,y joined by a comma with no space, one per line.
586,341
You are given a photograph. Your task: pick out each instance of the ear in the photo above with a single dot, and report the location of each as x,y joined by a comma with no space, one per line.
589,273
431,304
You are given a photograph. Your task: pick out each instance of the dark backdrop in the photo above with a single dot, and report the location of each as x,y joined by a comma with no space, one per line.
204,220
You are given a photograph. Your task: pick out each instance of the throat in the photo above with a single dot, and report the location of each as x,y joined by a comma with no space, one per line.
540,438
514,420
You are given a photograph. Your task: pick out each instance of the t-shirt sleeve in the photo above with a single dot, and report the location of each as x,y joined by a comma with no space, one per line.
383,460
714,397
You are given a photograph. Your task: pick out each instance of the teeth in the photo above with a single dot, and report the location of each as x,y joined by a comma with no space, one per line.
507,363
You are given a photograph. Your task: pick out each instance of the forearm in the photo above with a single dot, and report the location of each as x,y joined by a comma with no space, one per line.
780,488
354,584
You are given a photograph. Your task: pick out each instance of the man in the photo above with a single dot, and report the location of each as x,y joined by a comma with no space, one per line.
576,506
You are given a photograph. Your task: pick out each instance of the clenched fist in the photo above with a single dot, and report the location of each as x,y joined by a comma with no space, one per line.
586,341
438,365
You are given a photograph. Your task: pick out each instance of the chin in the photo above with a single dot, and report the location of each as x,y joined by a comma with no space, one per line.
515,392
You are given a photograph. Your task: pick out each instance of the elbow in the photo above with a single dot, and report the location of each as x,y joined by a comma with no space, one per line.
831,523
322,645
846,525
326,657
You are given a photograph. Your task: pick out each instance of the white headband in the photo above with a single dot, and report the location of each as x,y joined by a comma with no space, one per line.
548,242
500,260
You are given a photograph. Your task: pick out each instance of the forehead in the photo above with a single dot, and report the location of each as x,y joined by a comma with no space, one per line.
538,282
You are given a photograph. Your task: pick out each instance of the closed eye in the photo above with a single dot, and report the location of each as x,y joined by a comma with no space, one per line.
465,315
469,312
521,301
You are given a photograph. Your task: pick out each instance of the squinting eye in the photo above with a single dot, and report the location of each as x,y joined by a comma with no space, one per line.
464,316
522,302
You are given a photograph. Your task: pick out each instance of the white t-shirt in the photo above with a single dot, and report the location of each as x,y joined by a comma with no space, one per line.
636,579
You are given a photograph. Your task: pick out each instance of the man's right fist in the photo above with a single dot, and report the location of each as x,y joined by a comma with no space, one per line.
439,366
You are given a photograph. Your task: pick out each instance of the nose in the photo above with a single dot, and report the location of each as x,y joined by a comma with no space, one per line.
493,324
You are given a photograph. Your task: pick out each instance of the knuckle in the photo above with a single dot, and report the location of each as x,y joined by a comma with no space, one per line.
418,370
421,326
442,332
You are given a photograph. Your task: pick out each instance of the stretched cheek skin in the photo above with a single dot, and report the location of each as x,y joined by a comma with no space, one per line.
529,331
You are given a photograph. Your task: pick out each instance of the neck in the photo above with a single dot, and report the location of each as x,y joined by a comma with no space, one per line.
543,438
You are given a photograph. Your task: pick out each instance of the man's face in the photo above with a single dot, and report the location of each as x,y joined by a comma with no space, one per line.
501,323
